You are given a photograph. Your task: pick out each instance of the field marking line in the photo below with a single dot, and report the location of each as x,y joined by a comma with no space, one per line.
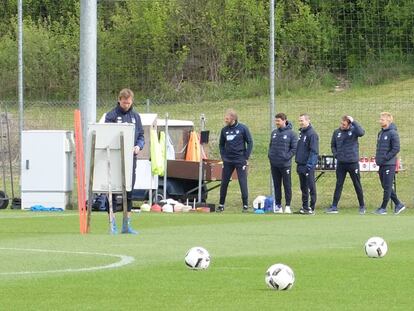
124,260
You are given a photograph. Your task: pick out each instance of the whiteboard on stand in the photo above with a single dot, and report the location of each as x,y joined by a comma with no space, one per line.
108,135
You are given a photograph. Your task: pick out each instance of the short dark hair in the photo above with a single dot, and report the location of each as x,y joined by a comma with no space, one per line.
281,115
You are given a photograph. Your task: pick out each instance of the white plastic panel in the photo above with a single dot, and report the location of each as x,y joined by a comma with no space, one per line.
144,179
108,134
47,161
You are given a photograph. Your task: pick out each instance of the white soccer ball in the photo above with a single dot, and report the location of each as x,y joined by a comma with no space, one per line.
197,258
376,247
280,277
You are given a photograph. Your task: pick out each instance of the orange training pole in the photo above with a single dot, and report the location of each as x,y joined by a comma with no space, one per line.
80,172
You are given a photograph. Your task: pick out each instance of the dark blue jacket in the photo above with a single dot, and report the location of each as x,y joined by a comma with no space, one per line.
344,143
388,145
308,147
282,146
236,143
117,115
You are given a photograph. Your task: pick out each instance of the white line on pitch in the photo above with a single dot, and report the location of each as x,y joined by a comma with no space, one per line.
124,260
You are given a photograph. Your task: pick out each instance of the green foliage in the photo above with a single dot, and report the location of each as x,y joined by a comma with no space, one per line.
187,50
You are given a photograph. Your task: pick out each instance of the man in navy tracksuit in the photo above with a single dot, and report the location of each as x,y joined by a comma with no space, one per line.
282,148
345,149
124,113
306,158
388,146
236,145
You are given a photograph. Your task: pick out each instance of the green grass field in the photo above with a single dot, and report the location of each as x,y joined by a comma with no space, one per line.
325,251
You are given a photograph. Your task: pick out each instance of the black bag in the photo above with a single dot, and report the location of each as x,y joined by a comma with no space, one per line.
100,203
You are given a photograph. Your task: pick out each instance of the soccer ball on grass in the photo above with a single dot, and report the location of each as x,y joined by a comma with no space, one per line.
197,258
376,247
280,277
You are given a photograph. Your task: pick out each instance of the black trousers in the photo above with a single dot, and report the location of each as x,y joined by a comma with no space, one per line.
341,170
386,175
228,169
307,186
129,193
279,175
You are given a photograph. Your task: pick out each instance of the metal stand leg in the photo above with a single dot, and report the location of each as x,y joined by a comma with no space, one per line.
111,208
124,193
90,186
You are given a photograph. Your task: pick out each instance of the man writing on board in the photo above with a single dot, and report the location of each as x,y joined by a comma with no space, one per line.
124,113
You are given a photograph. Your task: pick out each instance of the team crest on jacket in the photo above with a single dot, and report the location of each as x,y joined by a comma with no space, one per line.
133,120
119,119
350,133
385,137
339,135
284,136
237,131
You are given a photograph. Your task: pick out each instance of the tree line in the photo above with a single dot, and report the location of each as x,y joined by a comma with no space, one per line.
165,48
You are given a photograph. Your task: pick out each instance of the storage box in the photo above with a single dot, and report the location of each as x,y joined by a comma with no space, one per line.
190,170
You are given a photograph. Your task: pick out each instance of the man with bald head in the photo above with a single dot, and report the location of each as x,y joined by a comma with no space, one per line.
236,145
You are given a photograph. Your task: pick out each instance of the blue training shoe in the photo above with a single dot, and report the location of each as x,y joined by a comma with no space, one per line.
332,210
399,208
113,228
126,227
380,211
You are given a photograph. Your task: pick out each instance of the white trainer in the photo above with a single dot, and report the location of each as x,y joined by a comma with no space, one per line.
277,209
288,210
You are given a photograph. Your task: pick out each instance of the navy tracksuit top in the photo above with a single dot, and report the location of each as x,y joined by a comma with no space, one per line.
344,143
388,146
118,115
308,147
235,143
282,146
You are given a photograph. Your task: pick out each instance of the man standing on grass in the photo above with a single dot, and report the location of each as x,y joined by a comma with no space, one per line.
124,113
345,149
282,148
306,158
388,146
236,145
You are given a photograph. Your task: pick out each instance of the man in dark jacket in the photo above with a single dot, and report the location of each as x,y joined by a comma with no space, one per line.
124,113
282,148
236,145
345,149
388,146
306,158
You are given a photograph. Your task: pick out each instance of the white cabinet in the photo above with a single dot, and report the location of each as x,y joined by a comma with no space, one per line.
46,168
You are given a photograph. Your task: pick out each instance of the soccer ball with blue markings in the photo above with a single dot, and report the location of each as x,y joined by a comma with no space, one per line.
280,277
197,258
